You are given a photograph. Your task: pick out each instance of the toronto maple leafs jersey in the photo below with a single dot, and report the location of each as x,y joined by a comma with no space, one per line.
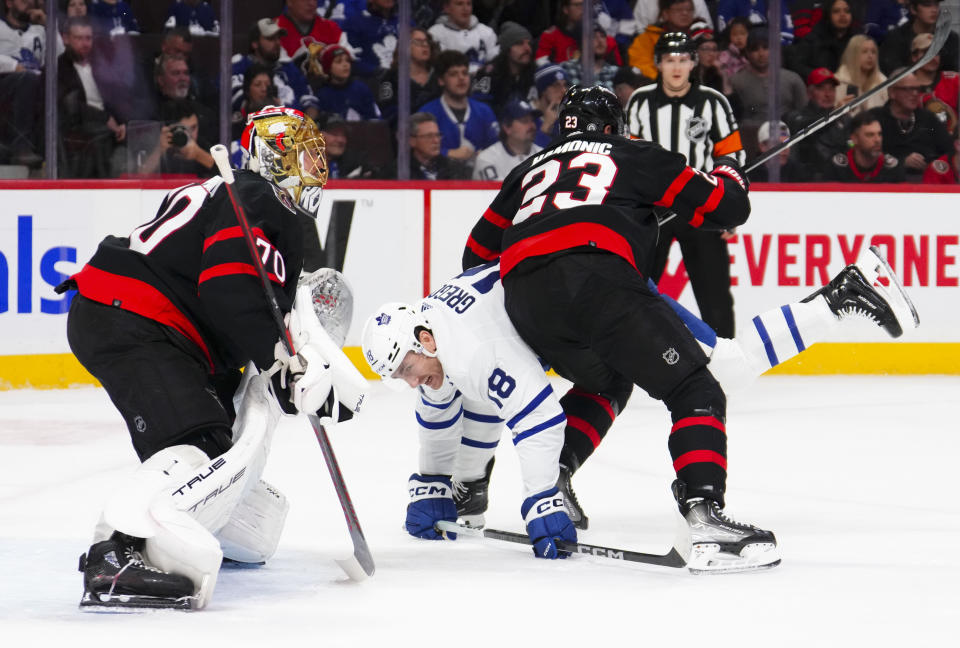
493,380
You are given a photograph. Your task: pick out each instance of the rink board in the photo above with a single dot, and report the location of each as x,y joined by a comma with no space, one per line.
398,240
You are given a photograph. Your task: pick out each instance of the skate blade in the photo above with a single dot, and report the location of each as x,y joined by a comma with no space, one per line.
129,603
473,521
709,559
875,268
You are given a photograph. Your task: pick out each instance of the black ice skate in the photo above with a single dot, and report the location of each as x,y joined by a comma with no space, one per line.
471,498
716,544
115,575
858,291
574,510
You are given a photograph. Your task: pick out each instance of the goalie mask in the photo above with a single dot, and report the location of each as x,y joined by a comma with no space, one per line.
285,146
387,337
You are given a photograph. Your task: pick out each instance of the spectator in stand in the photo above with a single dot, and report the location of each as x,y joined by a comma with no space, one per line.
256,92
647,12
618,20
340,92
342,161
883,16
604,67
675,16
815,152
552,83
113,17
626,81
755,11
865,161
519,128
562,40
182,148
22,44
196,15
458,29
179,41
943,87
303,26
509,77
373,34
423,81
859,72
824,46
89,129
74,9
911,134
895,50
264,46
945,169
426,160
467,125
733,57
708,66
790,171
750,84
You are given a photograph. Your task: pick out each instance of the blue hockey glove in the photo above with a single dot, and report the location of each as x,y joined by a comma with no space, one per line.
431,500
547,521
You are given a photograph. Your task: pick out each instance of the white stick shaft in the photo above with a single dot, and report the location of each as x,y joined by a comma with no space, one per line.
221,156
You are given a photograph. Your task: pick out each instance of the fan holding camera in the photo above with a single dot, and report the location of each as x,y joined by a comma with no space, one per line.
177,150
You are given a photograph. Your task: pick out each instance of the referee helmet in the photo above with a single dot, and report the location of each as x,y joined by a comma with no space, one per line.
674,43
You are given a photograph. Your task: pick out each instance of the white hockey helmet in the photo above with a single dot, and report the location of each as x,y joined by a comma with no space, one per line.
387,337
285,146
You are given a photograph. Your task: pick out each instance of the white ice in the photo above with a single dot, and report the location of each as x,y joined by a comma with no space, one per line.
856,475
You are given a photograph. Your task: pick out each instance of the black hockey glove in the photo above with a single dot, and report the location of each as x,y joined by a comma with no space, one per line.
728,167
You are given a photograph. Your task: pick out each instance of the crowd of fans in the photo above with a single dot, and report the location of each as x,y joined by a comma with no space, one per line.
486,78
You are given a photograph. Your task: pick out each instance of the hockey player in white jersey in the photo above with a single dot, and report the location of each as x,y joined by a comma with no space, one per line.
474,376
458,439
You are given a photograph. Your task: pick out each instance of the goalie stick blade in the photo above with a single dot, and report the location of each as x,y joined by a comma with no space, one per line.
362,560
671,559
93,602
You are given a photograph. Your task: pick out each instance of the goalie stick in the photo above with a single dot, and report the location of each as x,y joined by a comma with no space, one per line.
359,565
940,35
670,559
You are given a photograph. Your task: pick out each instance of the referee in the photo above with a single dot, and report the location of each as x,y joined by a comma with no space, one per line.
697,122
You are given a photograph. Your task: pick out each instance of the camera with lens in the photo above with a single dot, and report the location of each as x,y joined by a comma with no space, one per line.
179,137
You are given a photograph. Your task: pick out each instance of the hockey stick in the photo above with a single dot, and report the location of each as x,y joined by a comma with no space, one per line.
360,564
940,35
670,559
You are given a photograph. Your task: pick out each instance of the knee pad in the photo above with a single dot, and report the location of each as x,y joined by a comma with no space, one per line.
253,531
698,392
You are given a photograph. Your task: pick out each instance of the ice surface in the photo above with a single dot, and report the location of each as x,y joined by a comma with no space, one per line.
854,474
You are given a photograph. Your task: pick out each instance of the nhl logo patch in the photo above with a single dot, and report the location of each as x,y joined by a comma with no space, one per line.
140,424
697,129
671,357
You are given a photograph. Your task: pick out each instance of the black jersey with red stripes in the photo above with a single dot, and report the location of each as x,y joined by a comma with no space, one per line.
190,268
592,191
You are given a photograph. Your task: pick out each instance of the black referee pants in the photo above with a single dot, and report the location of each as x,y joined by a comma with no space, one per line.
707,260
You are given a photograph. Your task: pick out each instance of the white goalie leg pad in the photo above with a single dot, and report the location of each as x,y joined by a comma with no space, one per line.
252,533
306,330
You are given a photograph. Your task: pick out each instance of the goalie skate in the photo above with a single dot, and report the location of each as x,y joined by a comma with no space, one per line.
859,290
116,576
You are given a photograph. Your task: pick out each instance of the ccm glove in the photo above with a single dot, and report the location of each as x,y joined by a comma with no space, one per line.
431,500
728,167
547,522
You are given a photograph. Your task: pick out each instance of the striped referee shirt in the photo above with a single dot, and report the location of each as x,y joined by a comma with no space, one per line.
699,125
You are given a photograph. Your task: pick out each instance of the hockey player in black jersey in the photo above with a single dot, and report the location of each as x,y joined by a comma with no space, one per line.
574,227
165,318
